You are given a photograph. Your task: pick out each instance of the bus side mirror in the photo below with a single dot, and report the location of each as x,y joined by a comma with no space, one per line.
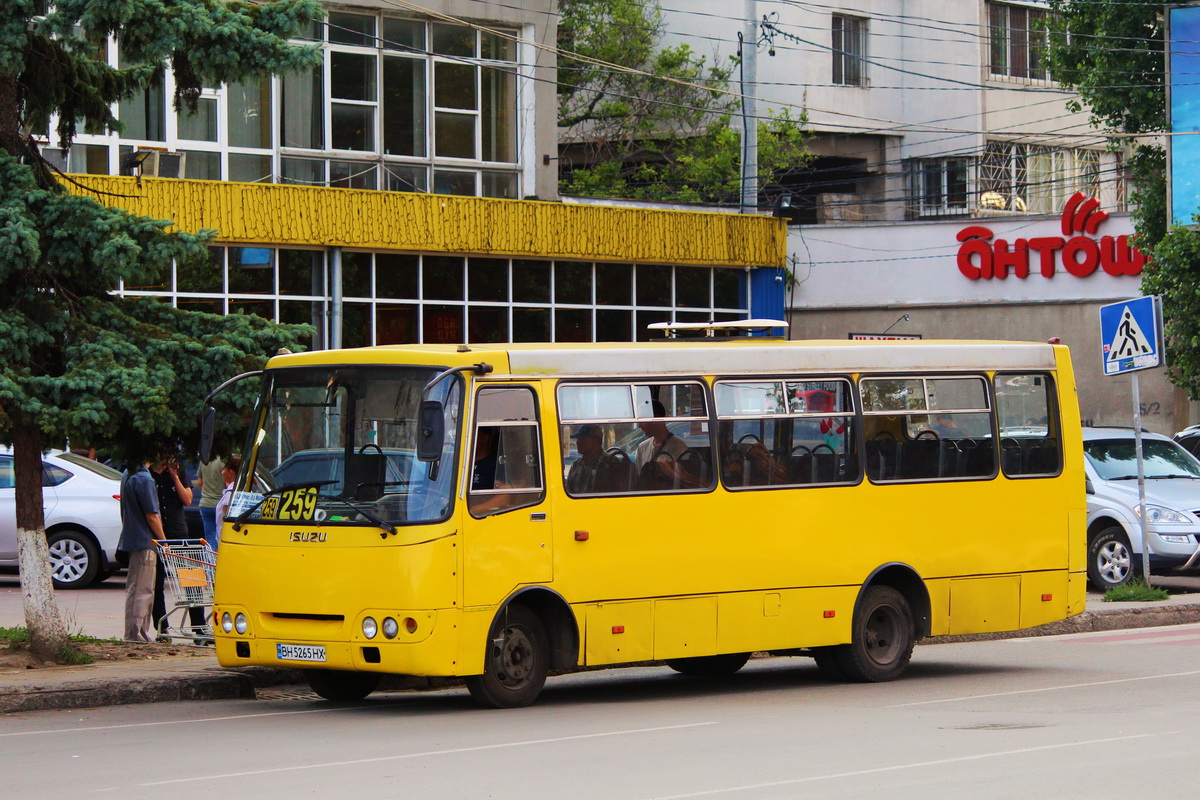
1087,486
432,433
207,424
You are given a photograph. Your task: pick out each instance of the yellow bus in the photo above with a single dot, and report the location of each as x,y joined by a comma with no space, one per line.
500,511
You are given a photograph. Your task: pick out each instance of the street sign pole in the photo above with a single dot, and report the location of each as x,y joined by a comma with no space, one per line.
1131,340
1141,466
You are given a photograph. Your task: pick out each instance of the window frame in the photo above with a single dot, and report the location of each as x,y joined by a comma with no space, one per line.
849,36
1053,424
927,203
532,496
1007,44
707,419
872,439
851,444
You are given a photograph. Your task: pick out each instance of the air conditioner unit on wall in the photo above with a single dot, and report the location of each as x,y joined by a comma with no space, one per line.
163,164
153,162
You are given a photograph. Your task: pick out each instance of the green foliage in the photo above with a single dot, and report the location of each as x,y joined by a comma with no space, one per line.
1136,591
636,135
68,651
1112,54
121,374
14,636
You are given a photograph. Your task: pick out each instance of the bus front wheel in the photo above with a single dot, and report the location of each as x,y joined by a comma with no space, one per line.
517,661
882,637
341,686
709,666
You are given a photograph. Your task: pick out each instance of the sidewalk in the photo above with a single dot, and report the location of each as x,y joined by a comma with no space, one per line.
195,674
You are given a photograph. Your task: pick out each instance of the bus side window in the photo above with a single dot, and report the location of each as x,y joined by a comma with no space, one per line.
786,432
1029,438
506,471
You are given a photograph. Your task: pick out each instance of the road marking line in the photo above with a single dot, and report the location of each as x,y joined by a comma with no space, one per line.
1046,689
169,722
898,767
449,752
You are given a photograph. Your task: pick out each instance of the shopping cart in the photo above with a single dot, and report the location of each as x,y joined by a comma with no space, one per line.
189,565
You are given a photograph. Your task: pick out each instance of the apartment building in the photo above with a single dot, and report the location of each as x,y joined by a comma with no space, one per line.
953,193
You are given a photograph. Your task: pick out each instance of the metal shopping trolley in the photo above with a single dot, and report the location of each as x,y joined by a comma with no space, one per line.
189,566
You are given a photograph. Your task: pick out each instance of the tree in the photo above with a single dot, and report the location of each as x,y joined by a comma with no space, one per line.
638,135
1112,55
78,363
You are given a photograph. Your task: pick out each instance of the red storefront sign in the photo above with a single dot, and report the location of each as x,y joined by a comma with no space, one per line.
1080,255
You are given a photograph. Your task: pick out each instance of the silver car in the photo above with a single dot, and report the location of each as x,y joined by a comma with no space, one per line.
1172,504
81,498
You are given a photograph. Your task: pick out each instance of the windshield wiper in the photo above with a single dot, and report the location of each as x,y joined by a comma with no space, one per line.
1156,477
237,523
379,522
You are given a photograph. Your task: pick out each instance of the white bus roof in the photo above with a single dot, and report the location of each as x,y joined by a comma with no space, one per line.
701,356
745,357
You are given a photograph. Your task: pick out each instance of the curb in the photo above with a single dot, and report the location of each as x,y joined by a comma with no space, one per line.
213,683
220,683
1091,621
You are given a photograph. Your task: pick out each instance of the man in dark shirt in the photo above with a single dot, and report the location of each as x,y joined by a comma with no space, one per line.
582,477
141,525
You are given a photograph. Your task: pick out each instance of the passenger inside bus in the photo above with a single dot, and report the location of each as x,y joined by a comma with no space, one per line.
587,475
658,454
484,473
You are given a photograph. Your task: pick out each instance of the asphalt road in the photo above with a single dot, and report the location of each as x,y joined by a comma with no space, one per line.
1103,714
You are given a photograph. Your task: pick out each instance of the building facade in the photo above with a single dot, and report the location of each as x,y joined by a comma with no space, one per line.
404,191
941,202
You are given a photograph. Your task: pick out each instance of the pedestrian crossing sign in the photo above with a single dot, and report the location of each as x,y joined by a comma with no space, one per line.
1131,335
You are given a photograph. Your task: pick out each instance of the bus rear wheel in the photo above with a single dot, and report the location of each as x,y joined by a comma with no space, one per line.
341,686
709,666
517,661
881,639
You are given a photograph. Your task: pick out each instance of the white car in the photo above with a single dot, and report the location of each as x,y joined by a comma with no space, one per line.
81,498
1172,504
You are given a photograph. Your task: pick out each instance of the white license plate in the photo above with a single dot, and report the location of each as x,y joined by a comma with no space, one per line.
299,652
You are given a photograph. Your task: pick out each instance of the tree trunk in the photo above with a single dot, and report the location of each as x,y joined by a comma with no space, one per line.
47,634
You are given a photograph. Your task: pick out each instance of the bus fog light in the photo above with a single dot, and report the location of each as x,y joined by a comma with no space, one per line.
390,628
410,625
240,623
227,622
370,627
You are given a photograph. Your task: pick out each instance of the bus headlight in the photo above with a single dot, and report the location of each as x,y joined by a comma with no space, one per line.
390,628
227,622
240,623
369,627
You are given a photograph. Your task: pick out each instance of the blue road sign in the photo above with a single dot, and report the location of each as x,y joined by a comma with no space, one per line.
1131,335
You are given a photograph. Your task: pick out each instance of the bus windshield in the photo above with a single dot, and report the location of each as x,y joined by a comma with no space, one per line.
338,445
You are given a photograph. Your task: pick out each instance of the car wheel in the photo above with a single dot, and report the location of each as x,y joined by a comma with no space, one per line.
1111,561
74,559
